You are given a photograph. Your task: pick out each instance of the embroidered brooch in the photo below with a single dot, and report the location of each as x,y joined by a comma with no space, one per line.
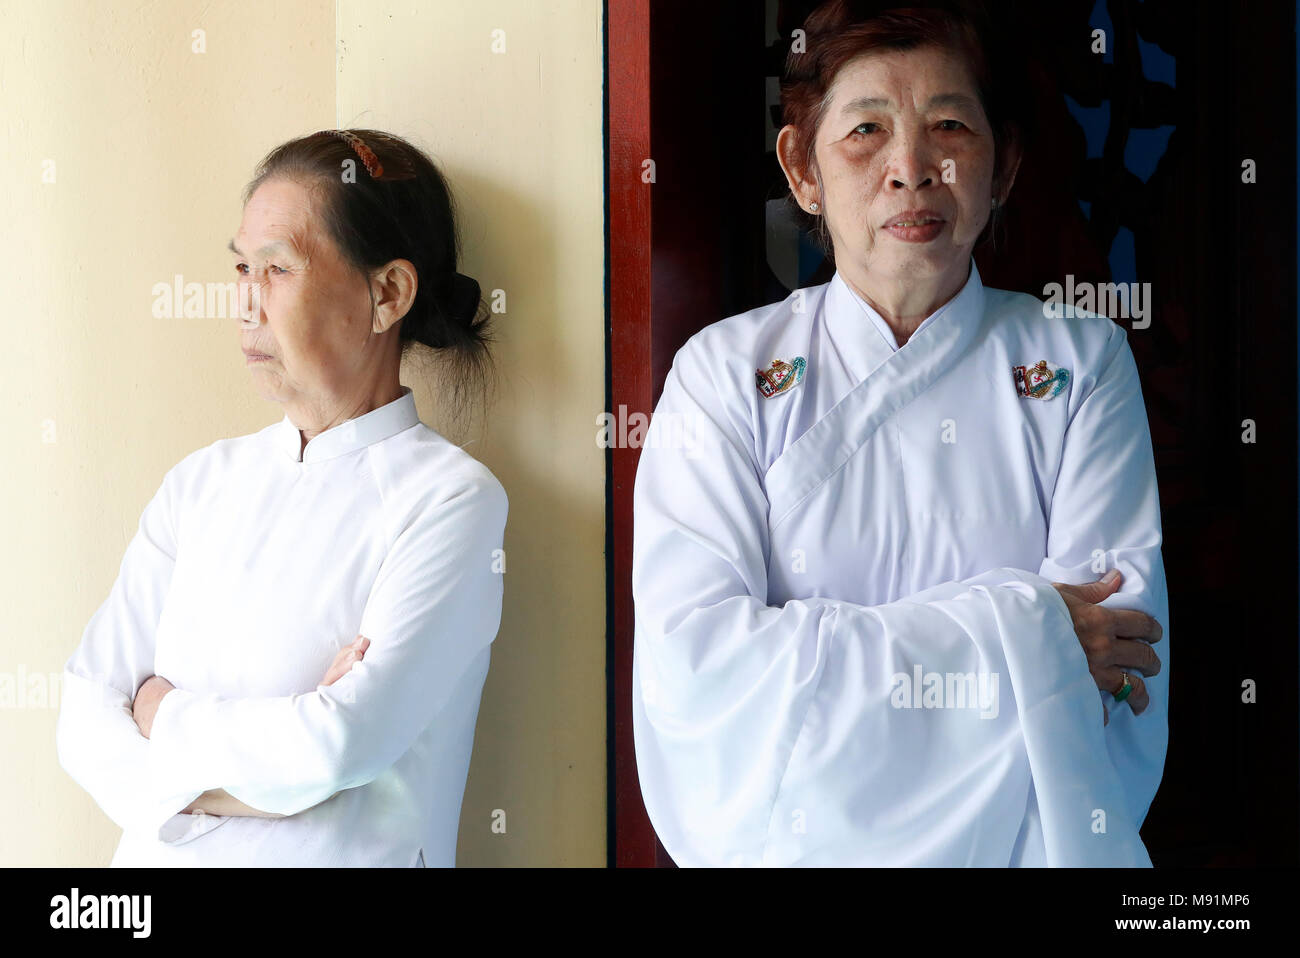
781,377
1043,380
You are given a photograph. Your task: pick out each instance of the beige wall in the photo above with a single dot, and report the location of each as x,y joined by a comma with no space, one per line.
151,143
518,134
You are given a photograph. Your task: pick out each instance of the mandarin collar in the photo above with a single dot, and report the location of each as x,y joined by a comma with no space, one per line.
378,424
866,344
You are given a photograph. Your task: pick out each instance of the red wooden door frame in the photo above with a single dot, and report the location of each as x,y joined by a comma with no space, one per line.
682,235
628,213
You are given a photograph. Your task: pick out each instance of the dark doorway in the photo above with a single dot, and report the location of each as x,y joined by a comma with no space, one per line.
1137,174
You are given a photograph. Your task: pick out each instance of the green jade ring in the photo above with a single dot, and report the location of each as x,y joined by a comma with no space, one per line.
1122,694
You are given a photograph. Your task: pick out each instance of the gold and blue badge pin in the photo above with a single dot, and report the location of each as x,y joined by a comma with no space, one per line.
780,377
1042,380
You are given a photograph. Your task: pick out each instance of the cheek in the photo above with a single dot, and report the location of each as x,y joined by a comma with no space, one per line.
853,187
974,208
854,167
294,324
974,179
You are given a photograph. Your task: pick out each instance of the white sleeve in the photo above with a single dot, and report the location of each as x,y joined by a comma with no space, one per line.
1106,515
431,615
736,701
97,739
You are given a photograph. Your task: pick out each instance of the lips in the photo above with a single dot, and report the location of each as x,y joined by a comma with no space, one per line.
914,218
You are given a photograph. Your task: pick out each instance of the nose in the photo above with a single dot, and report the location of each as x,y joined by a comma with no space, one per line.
250,302
911,162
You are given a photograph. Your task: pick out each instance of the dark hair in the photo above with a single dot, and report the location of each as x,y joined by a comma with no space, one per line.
406,212
841,30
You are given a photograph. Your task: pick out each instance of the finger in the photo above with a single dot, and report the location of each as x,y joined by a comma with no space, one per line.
1108,679
1135,655
1112,680
340,666
1139,698
1094,592
1132,624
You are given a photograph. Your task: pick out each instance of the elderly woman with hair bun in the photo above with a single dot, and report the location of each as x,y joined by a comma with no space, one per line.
897,604
288,669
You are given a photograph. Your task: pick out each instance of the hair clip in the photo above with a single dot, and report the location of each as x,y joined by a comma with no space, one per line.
373,166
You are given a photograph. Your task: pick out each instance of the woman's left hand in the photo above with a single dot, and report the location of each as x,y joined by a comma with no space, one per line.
1117,642
347,657
147,700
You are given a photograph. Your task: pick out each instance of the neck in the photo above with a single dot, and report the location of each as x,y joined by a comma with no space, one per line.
315,418
905,302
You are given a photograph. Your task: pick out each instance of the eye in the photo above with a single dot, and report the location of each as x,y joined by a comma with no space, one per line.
242,269
956,125
867,128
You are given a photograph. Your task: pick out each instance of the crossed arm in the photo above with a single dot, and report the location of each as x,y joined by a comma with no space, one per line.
737,703
146,751
217,801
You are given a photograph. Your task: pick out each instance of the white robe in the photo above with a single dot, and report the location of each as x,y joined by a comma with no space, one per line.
899,512
250,570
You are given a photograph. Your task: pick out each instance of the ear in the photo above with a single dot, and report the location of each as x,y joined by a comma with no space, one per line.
791,154
393,287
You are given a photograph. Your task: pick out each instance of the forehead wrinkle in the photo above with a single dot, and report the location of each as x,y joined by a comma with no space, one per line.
938,100
267,249
300,241
292,221
292,241
867,103
901,57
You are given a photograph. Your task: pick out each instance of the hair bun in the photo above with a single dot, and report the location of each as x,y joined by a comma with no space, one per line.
463,303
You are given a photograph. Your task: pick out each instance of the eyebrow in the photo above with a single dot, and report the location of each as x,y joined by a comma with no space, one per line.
939,99
268,248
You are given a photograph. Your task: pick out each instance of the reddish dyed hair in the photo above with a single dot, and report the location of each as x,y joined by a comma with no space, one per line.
840,31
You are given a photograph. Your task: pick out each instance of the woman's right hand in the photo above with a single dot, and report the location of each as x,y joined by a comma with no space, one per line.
348,656
1110,639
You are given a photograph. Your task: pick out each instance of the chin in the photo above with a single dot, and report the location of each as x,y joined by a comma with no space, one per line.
267,390
920,261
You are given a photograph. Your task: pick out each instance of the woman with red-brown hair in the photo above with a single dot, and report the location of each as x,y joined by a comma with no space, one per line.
869,629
